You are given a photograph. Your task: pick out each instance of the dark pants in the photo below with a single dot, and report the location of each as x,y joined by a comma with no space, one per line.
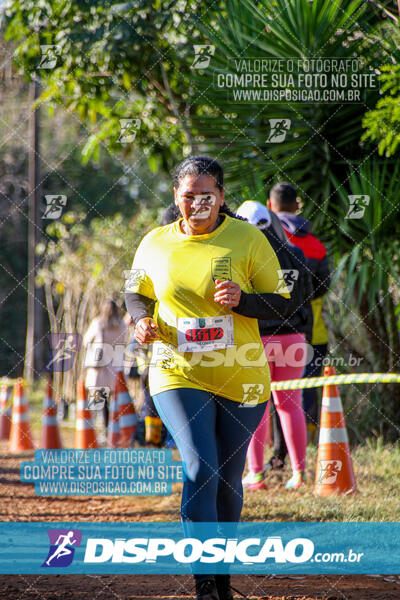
310,395
212,434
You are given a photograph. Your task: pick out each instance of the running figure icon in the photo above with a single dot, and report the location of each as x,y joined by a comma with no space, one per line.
62,549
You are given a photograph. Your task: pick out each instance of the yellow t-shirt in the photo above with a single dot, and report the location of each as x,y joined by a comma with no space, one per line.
178,271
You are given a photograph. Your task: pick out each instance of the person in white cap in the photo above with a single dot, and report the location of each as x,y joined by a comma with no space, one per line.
257,214
289,334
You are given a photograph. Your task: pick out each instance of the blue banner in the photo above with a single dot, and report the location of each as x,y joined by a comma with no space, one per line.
176,548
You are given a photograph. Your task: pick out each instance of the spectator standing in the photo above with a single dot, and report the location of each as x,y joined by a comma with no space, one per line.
107,328
284,203
289,332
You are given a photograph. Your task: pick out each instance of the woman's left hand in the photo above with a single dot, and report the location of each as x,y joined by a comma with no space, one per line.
228,293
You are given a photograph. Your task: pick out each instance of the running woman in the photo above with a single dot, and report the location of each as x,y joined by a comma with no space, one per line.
197,288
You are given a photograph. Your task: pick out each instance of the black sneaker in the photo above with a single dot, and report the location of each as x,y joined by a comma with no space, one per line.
206,589
274,464
223,583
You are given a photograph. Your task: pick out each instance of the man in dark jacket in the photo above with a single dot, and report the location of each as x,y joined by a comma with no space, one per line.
284,203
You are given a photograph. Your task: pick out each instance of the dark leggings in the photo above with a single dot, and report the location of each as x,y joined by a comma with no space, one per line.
212,434
310,395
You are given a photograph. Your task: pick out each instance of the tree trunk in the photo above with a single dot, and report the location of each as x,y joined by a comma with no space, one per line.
34,344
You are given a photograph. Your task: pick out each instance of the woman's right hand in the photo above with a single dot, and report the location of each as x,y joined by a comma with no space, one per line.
145,331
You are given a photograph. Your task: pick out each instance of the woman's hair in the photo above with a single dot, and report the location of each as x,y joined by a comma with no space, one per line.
170,214
109,314
200,165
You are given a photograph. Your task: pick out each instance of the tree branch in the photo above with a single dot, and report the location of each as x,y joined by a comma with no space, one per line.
175,108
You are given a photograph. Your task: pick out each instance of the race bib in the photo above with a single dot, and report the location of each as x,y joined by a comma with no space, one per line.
205,333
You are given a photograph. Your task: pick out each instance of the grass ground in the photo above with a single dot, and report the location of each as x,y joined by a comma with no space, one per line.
376,467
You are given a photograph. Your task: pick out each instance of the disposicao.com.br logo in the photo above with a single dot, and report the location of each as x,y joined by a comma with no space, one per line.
173,552
191,550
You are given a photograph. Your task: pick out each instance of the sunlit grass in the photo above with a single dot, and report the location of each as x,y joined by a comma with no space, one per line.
377,472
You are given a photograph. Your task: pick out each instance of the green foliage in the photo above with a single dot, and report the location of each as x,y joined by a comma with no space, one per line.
98,190
81,258
323,138
133,60
383,123
322,156
116,61
368,248
364,302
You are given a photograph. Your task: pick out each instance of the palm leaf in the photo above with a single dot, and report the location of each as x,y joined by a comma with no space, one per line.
323,138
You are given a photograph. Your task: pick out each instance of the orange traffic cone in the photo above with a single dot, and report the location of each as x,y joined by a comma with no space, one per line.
126,412
113,423
20,432
50,439
5,412
334,472
85,434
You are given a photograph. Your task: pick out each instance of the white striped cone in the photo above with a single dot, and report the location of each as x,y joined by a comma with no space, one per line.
334,472
113,423
5,412
85,433
50,439
126,412
20,432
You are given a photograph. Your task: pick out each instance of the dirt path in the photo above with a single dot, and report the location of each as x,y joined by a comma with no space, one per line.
180,587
